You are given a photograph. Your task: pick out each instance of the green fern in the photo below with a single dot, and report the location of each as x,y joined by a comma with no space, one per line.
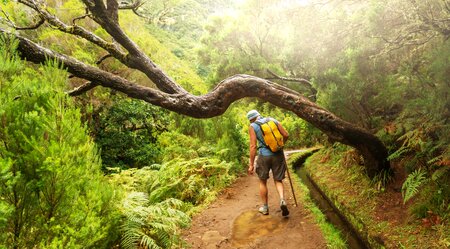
411,185
148,242
157,196
411,140
398,153
151,225
439,173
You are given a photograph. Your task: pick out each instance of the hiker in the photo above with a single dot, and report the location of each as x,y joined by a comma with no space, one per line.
267,160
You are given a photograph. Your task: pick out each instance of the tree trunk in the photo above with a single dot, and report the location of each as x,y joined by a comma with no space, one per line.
172,96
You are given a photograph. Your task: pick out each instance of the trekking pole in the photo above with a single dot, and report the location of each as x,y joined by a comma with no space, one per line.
292,187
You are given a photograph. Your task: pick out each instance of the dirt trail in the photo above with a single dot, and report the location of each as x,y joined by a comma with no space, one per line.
233,221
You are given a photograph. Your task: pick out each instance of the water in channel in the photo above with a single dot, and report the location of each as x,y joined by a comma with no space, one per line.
333,216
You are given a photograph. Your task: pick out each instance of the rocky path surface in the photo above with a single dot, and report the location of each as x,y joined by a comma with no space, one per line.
233,221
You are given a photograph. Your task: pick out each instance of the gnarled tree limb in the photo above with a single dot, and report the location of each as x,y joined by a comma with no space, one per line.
219,99
172,96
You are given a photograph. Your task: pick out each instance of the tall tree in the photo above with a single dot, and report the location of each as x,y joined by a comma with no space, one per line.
169,94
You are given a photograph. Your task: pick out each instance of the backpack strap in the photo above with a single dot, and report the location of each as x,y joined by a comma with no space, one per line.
261,142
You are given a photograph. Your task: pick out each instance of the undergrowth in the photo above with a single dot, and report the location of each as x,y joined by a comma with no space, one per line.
159,199
363,201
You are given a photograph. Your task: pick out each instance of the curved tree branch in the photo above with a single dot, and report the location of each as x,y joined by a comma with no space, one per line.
79,18
219,99
99,61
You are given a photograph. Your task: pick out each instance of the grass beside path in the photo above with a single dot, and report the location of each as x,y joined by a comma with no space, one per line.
332,235
378,213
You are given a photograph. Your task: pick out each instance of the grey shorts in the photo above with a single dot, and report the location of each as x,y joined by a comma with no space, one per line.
276,163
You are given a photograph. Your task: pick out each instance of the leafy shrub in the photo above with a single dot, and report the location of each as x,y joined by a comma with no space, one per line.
177,145
127,131
52,192
221,137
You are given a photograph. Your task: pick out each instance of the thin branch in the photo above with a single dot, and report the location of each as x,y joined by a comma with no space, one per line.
35,26
134,6
82,89
305,82
79,18
99,61
140,15
13,25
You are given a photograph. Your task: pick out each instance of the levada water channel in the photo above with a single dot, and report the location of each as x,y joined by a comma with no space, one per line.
327,207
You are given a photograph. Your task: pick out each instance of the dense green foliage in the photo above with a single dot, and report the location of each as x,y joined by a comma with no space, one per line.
382,65
159,198
52,192
152,205
126,131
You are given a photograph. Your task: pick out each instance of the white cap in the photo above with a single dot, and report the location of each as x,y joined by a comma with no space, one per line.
252,114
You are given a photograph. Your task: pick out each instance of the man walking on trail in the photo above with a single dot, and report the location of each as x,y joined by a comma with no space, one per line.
267,160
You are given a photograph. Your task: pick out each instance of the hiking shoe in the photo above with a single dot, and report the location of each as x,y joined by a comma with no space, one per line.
264,210
284,209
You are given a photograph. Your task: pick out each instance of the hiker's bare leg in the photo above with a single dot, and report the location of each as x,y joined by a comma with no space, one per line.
280,189
283,206
263,191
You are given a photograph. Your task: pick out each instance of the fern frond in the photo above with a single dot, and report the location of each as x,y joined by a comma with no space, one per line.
155,166
411,185
434,159
130,235
148,242
398,153
151,225
439,173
